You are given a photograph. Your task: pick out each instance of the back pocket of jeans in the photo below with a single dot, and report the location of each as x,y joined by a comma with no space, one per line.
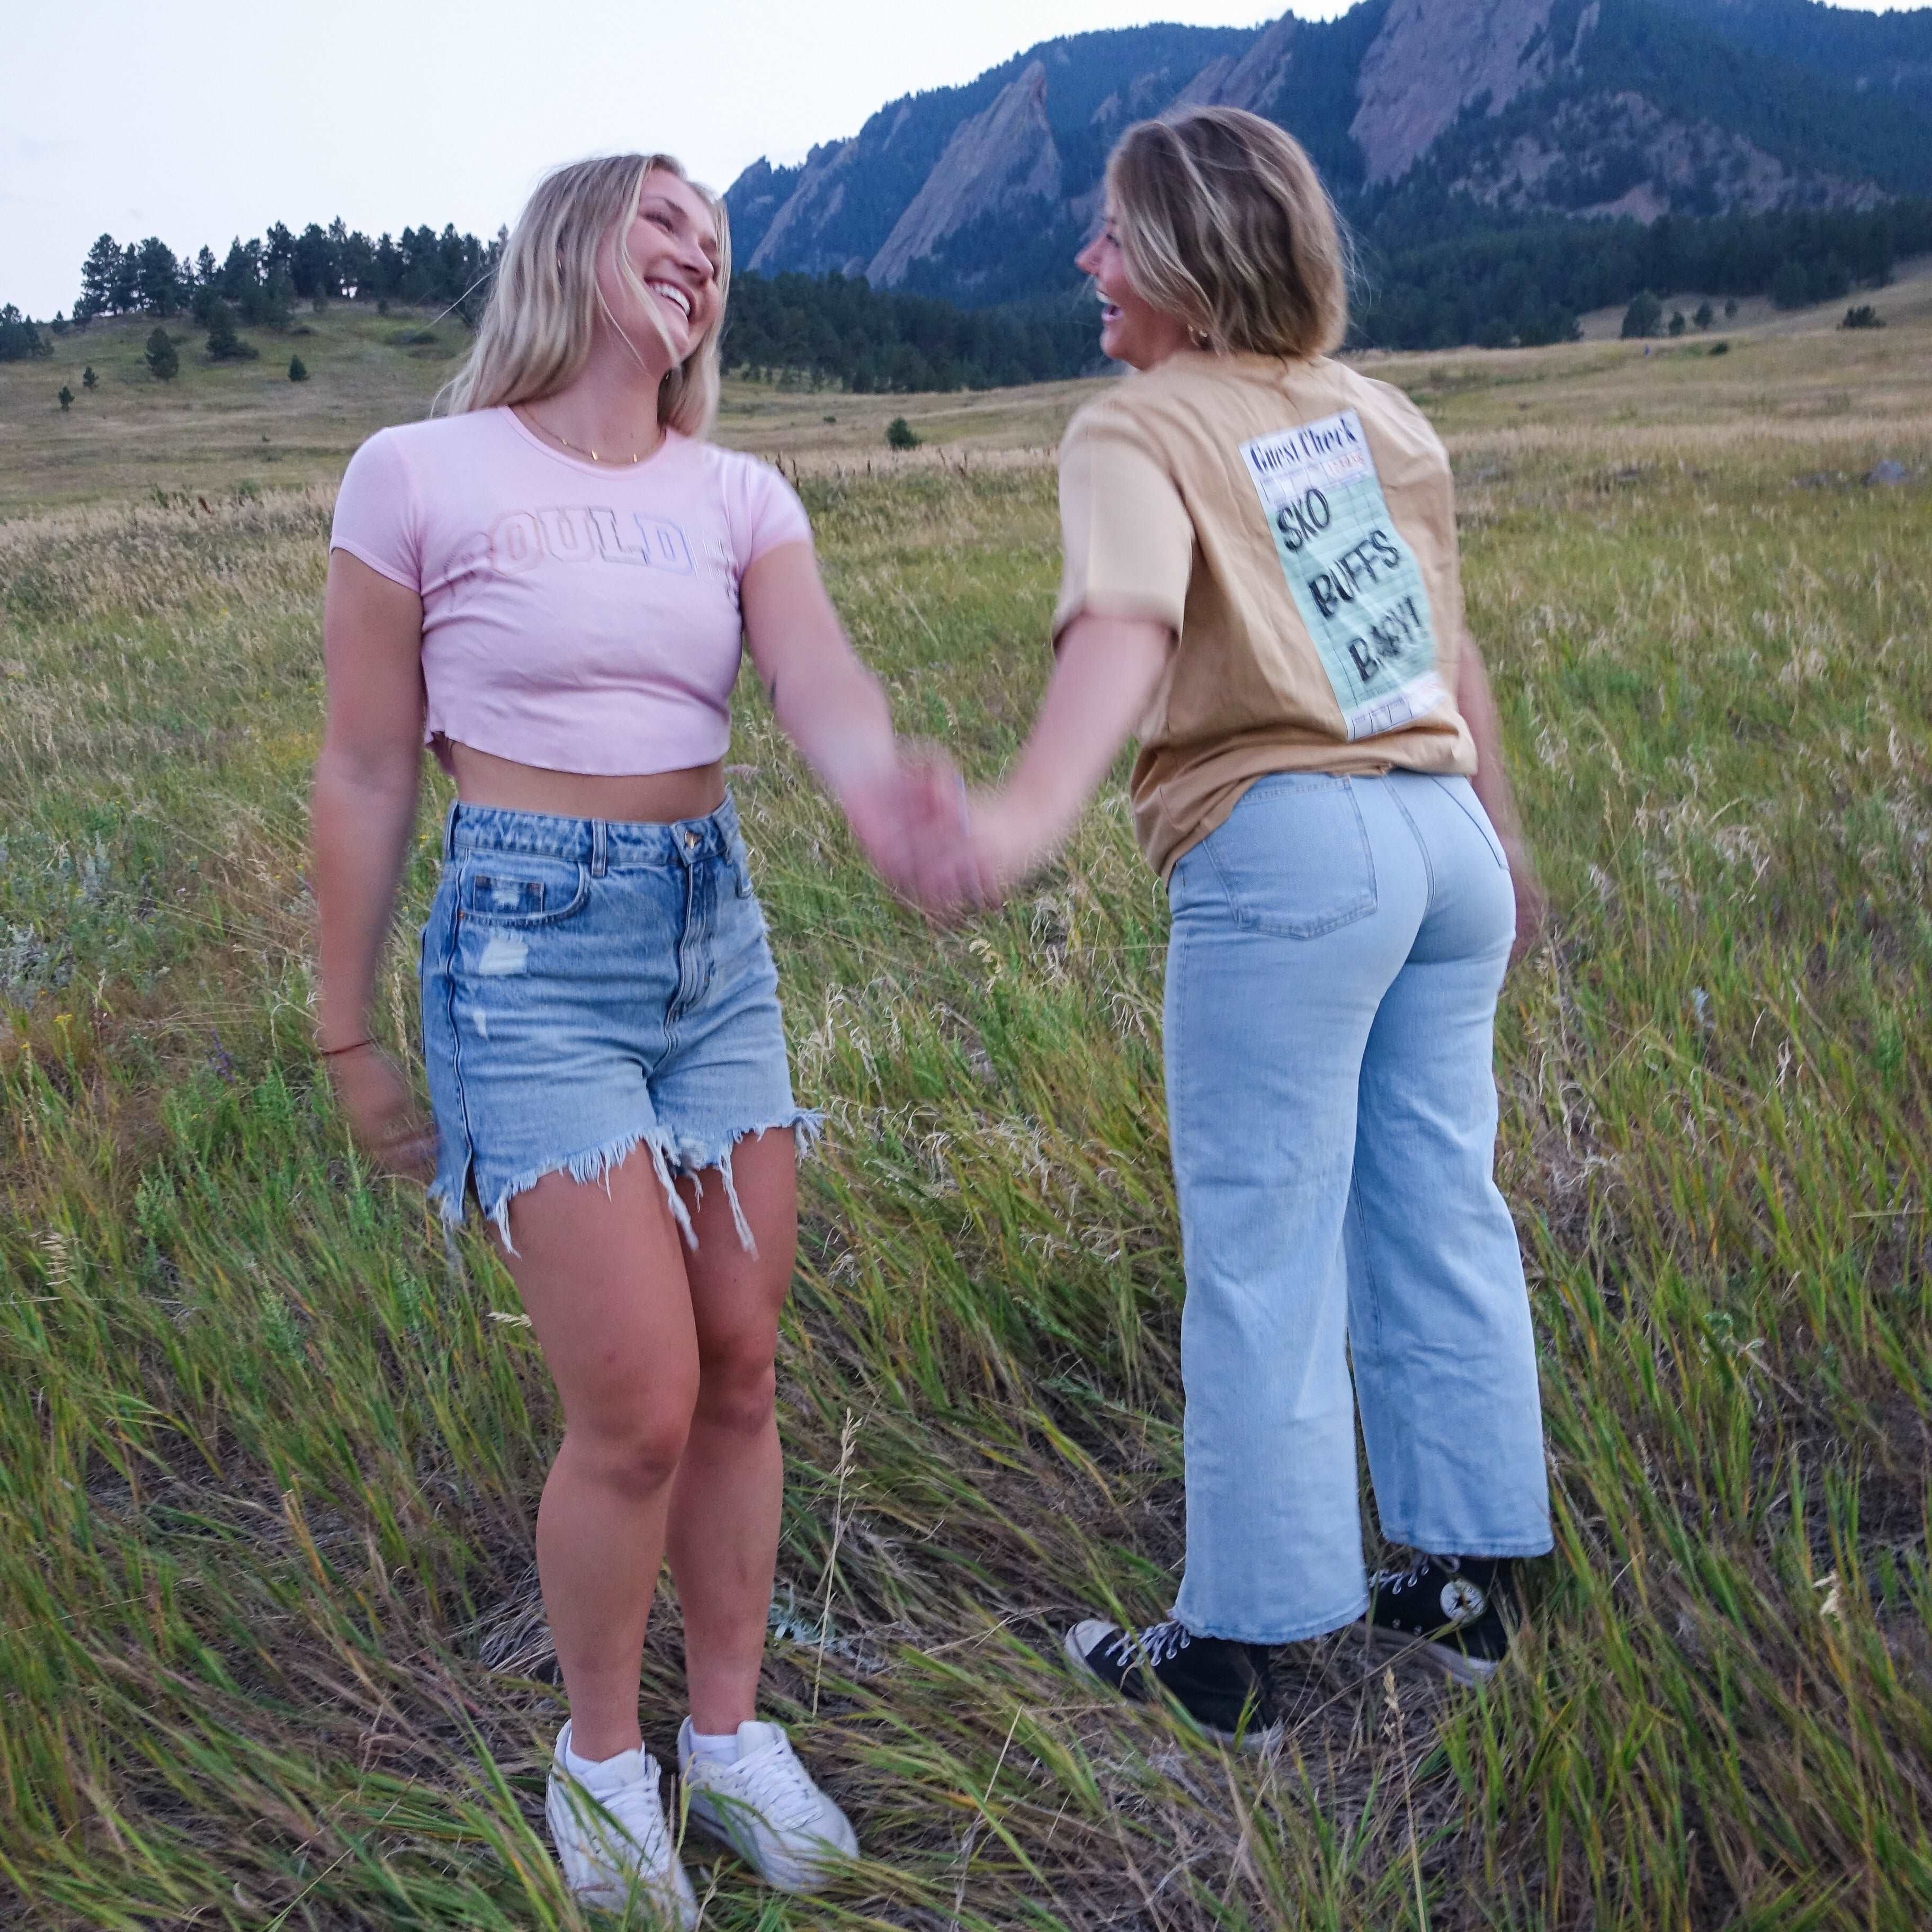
523,889
1293,857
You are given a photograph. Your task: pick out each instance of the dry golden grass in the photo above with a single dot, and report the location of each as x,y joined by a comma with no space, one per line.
270,1651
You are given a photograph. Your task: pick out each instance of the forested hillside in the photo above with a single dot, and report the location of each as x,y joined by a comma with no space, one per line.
1505,167
1460,138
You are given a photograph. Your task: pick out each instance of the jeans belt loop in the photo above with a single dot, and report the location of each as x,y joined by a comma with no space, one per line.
449,829
600,856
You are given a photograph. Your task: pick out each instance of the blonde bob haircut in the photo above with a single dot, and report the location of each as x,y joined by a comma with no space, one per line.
536,334
1224,223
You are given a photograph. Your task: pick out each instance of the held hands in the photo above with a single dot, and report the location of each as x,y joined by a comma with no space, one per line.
382,1115
933,842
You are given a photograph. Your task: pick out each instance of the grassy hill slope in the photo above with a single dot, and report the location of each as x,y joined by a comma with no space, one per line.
221,430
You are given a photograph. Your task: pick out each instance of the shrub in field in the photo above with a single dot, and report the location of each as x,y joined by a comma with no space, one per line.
298,369
1863,316
162,363
1720,348
1677,323
87,377
900,434
66,397
1705,315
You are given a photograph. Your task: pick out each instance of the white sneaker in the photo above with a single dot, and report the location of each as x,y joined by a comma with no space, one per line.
611,1837
766,1807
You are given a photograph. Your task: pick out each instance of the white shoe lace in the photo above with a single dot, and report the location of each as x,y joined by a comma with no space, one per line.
777,1787
638,1809
1394,1582
1154,1645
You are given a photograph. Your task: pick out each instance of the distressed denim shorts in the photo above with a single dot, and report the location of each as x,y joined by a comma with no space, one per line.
590,987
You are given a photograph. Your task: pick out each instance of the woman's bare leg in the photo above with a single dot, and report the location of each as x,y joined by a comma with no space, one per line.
601,1272
723,1531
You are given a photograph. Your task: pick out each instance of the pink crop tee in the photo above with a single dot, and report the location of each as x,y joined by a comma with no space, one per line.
577,616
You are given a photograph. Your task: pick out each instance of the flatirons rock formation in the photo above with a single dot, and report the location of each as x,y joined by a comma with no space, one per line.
999,159
1434,59
980,193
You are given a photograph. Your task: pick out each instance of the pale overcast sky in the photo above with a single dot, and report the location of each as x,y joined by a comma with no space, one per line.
202,121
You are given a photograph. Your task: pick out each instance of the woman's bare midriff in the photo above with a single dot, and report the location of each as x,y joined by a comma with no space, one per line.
659,798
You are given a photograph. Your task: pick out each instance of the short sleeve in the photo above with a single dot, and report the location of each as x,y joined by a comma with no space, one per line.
376,517
1127,540
766,512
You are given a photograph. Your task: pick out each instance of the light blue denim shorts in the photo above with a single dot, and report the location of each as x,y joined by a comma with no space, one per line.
590,987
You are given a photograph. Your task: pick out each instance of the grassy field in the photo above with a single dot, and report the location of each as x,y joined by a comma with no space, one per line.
270,1650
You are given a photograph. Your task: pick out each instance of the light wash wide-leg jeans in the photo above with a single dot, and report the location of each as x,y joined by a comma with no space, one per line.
1337,951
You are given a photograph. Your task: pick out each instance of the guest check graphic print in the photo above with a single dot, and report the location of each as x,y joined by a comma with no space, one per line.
1354,581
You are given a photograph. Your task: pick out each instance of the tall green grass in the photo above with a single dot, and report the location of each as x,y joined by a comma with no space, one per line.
270,1650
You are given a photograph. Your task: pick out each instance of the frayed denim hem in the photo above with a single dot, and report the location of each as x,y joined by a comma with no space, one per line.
673,1157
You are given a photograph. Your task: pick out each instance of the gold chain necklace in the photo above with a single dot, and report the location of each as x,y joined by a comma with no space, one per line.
557,436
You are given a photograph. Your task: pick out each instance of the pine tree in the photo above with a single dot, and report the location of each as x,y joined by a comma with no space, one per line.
241,272
1791,286
87,377
20,337
223,344
66,397
298,369
278,300
1705,315
162,362
157,277
1643,316
97,278
124,297
900,434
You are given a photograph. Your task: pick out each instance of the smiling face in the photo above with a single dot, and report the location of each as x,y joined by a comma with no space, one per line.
1133,331
671,246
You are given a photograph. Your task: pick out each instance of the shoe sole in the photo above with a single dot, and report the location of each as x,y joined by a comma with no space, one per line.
1247,1740
1444,1657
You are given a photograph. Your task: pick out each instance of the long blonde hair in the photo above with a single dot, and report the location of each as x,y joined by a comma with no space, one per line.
536,334
1224,222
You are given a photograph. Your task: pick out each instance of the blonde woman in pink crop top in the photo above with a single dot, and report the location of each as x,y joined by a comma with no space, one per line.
549,585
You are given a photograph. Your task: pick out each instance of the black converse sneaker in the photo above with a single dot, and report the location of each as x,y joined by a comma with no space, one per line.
1446,1610
1222,1686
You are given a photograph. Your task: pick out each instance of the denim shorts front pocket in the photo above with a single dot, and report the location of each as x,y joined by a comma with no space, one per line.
1293,858
522,888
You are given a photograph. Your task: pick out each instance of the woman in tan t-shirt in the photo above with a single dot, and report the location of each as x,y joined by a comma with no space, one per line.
1262,582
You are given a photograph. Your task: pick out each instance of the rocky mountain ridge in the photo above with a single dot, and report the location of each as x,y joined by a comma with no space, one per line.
1637,107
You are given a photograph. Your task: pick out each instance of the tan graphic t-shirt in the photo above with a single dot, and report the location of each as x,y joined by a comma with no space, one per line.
1295,524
